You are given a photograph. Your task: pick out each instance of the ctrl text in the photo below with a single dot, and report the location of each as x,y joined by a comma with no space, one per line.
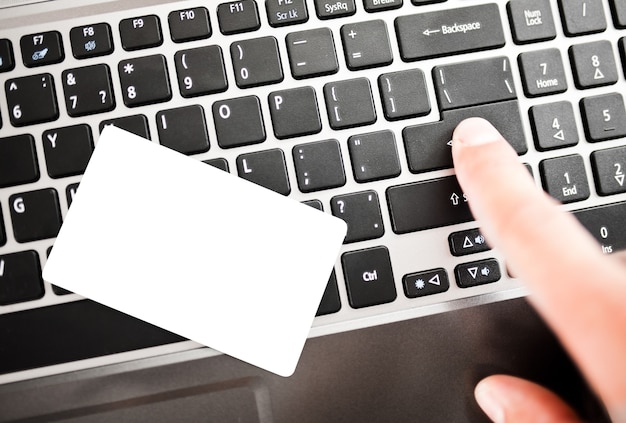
370,276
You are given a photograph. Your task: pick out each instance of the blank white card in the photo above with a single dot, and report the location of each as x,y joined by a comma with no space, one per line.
196,251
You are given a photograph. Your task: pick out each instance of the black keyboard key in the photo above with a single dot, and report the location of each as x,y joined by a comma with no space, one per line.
312,53
41,49
319,165
3,233
7,57
256,62
378,5
607,224
67,150
542,72
220,163
238,16
447,32
141,32
423,2
564,178
618,10
238,121
18,160
316,204
137,124
374,156
281,13
265,168
183,129
88,90
428,146
330,302
349,103
404,94
582,16
189,24
20,277
91,40
366,44
456,85
294,112
144,80
447,205
531,21
361,212
35,215
604,117
200,71
369,277
609,170
424,283
593,64
70,193
31,99
477,273
469,241
329,9
553,125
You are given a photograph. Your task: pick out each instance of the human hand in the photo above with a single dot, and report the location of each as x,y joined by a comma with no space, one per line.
580,292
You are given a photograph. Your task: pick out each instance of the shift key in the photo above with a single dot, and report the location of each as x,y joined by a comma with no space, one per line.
448,32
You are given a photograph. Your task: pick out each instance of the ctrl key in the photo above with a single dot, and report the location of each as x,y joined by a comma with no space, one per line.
369,278
477,273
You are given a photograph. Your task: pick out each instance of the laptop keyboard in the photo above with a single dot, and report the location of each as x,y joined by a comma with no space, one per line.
347,106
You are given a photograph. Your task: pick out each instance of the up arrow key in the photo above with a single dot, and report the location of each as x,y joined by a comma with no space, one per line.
13,86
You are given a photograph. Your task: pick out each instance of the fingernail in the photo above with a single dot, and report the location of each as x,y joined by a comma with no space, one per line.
475,131
488,401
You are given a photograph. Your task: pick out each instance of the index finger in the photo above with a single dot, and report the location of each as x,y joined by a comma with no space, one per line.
579,291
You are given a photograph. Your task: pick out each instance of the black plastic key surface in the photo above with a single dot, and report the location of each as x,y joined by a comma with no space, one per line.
43,48
88,90
456,85
374,156
3,233
219,162
366,44
319,165
607,224
582,16
91,40
311,53
369,277
294,112
281,13
361,212
531,20
378,6
67,150
18,160
428,204
238,121
141,32
564,178
553,125
609,169
330,303
593,64
7,57
31,99
349,103
404,94
144,80
256,62
183,129
266,168
477,273
428,146
542,72
137,124
189,24
447,32
200,71
468,241
70,192
20,277
35,215
618,10
238,16
604,117
424,283
330,9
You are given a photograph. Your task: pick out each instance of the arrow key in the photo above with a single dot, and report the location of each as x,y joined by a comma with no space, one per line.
467,242
553,125
477,273
425,283
609,170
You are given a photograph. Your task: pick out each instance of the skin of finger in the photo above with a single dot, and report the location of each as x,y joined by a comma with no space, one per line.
513,400
579,291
